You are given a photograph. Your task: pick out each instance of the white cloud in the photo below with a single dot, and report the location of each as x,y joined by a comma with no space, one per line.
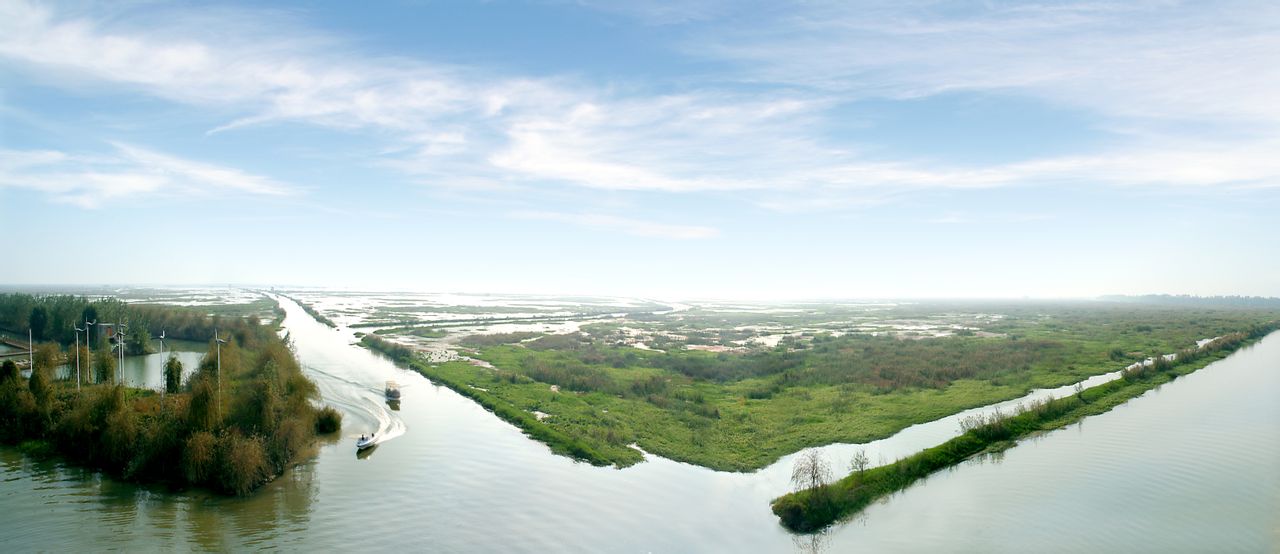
1167,60
626,225
465,129
91,181
276,74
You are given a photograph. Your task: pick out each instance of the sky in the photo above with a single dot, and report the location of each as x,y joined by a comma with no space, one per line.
695,148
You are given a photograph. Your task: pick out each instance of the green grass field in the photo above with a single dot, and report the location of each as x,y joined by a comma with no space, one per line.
743,410
816,507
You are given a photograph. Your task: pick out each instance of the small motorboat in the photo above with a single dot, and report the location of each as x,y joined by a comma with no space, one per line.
392,391
365,441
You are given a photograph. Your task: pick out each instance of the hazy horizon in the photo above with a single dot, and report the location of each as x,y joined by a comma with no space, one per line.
88,289
704,149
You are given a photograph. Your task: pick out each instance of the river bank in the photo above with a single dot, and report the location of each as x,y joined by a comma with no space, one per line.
814,508
460,479
239,419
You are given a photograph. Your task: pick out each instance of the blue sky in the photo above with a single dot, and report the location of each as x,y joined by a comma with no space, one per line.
681,149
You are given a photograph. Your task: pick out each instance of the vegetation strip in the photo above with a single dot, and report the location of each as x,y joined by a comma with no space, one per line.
560,443
311,311
743,409
822,504
243,418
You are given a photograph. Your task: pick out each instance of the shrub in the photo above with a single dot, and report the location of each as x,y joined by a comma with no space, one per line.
9,371
328,420
242,463
198,456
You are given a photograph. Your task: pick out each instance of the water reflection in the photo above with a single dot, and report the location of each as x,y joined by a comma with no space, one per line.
146,371
80,509
812,543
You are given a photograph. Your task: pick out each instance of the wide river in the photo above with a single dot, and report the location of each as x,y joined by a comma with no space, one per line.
1194,466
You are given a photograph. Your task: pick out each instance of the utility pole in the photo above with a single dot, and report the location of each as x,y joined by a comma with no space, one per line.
86,340
164,386
219,342
120,343
88,343
31,350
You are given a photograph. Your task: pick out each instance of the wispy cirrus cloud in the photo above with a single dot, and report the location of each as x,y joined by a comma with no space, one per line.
89,181
1166,60
1161,63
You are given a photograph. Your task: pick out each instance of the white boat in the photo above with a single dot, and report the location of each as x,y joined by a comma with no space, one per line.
365,441
392,391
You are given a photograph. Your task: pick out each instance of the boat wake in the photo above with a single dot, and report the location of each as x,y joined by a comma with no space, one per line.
365,408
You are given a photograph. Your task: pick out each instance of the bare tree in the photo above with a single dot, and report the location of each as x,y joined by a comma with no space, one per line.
859,462
811,470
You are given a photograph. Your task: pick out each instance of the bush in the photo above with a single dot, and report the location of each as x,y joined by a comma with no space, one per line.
328,420
198,456
9,371
242,463
289,438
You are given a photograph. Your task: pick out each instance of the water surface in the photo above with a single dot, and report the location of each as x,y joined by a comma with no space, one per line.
1190,467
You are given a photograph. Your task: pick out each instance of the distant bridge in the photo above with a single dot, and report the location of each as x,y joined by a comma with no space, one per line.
20,351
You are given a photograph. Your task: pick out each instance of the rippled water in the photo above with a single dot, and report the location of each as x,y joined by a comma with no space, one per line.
1191,467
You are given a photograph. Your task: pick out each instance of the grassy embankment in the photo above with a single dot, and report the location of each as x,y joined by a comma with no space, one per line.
560,442
311,311
743,411
231,437
814,508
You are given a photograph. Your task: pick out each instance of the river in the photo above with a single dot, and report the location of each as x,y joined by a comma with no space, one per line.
1193,466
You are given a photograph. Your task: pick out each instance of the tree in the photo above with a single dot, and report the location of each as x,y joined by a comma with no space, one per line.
104,365
202,410
138,342
173,374
39,321
40,388
811,471
9,371
47,356
859,462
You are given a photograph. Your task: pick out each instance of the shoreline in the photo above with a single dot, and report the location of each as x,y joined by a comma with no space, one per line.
813,509
529,423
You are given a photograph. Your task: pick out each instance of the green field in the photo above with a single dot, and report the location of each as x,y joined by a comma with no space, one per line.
822,504
840,374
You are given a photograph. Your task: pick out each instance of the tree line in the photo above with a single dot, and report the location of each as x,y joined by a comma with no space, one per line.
229,429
